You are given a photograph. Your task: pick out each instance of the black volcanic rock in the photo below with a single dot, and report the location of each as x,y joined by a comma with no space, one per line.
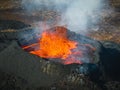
35,70
12,24
9,29
16,30
110,59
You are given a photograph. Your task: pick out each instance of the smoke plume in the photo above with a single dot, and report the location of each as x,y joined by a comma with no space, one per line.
77,15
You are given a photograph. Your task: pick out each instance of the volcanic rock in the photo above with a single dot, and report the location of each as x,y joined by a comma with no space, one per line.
9,29
110,59
36,71
39,72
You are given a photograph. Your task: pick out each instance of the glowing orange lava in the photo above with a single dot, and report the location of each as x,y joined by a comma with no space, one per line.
54,44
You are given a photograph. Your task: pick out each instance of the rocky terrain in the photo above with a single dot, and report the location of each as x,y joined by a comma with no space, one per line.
108,34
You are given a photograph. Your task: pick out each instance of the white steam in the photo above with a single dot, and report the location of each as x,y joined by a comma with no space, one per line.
77,15
81,13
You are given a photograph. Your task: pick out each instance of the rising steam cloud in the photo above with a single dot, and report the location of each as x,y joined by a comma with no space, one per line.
77,15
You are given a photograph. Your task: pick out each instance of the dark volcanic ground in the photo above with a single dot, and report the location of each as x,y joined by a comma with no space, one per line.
109,31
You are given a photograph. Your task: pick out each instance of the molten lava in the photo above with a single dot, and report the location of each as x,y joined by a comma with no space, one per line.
55,44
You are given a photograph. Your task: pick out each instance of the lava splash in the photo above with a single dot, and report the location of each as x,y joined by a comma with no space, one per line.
54,44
